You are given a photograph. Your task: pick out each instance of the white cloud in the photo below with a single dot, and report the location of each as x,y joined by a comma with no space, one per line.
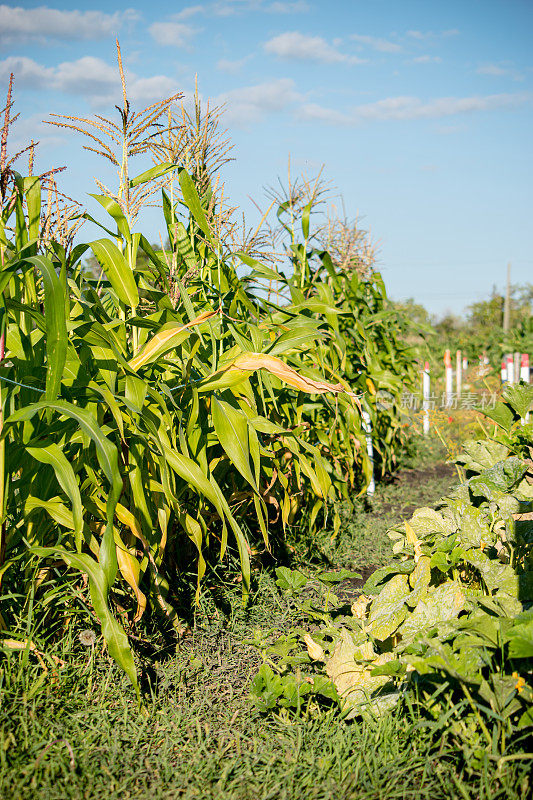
232,67
296,7
23,24
500,71
88,76
188,12
426,60
172,34
230,8
297,46
408,108
27,128
27,72
381,45
313,112
249,104
150,90
422,35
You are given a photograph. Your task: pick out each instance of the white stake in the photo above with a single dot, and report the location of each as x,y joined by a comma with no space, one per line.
510,370
465,363
425,395
524,368
504,371
367,427
449,378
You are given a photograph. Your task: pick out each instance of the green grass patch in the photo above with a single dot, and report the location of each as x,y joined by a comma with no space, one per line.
75,732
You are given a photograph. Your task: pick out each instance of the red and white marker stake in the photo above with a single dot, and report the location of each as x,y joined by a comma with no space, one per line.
465,363
504,371
510,370
449,378
524,367
425,395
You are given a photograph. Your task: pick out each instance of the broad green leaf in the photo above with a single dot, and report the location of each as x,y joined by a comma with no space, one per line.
231,427
388,610
54,506
152,173
502,416
192,201
56,325
52,454
117,270
520,398
480,455
499,478
521,636
107,455
115,211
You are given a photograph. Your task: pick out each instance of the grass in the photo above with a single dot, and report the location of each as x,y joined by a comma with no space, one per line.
75,732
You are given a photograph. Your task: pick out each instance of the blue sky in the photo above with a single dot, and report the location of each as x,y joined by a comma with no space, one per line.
420,111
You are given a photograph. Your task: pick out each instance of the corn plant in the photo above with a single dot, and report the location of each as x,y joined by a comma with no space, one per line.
134,418
164,406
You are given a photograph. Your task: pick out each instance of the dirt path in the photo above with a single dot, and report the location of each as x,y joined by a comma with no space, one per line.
364,544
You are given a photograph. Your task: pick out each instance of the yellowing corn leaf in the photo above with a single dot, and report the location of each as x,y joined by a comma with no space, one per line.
130,570
246,363
168,337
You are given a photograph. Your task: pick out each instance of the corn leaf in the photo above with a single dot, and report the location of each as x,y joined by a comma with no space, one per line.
117,270
114,635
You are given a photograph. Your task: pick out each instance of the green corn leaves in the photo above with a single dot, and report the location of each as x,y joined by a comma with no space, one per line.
56,325
53,455
231,428
212,412
117,270
114,635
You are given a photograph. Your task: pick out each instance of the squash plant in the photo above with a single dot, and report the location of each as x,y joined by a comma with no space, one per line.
448,623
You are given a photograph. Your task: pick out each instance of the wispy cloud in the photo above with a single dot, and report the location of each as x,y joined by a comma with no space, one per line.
425,59
33,127
296,7
410,108
500,70
188,12
232,67
374,42
423,35
172,34
296,46
230,8
88,76
249,104
25,24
